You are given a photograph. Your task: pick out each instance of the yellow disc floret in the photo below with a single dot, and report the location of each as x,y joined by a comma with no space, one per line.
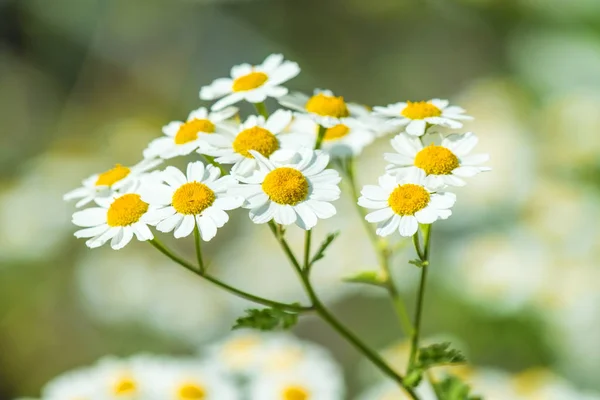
295,393
192,198
286,186
257,139
189,131
327,106
112,176
125,387
335,133
436,160
409,198
248,82
126,210
420,110
191,391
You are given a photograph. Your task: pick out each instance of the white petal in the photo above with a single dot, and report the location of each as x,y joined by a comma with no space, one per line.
142,232
90,217
439,103
263,214
173,177
285,215
427,215
256,96
322,209
157,195
186,226
416,127
207,227
91,232
406,145
408,225
122,238
278,121
227,101
168,224
376,193
461,145
272,62
229,202
218,216
195,171
474,159
103,238
389,226
372,204
442,200
307,219
380,215
466,171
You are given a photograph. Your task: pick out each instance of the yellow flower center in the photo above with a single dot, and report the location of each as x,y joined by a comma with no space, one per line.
250,81
240,351
257,139
192,391
409,198
528,382
112,176
420,110
124,387
189,131
336,132
295,393
126,210
192,198
286,186
436,160
328,106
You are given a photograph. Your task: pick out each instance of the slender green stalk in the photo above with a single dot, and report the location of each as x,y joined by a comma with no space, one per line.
211,160
198,248
416,242
270,303
320,137
307,241
414,346
261,108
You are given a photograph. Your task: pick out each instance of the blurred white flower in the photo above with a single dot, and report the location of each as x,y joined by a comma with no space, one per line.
325,108
80,383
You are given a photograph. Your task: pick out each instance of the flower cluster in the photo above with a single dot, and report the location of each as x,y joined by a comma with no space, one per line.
277,165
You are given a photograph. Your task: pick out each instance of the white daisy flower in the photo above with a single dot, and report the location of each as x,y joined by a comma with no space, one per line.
416,115
251,83
376,123
240,352
348,138
402,203
103,184
313,381
323,107
121,379
118,218
182,138
291,188
77,384
258,134
444,165
199,198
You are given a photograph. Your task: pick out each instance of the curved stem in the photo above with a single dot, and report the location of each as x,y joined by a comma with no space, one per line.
247,296
320,136
261,108
212,161
198,248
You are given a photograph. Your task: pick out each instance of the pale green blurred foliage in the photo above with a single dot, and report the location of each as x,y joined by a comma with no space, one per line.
85,84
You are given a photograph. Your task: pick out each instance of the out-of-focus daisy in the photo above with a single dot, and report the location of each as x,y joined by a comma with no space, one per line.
240,352
313,381
117,178
77,384
121,379
443,165
182,138
323,107
199,198
258,134
291,188
377,123
402,203
251,83
345,139
416,115
118,218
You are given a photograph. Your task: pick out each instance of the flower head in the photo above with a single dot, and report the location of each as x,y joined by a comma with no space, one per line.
77,384
416,115
182,138
251,83
118,178
443,164
323,107
291,188
198,198
402,203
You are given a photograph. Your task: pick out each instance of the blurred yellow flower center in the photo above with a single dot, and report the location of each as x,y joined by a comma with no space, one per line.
192,198
112,176
328,106
336,132
286,186
409,198
436,160
189,131
126,210
250,81
124,387
528,382
239,351
191,391
257,139
420,110
295,393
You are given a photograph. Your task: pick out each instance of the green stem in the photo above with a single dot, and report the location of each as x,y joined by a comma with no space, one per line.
414,347
307,241
198,248
247,296
382,251
320,137
261,108
212,161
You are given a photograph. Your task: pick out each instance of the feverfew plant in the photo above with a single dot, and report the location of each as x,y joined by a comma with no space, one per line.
285,167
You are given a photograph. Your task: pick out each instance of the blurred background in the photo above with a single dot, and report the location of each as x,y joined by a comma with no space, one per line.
85,84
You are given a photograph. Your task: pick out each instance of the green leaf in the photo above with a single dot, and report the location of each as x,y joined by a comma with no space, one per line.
452,388
439,354
419,263
266,319
324,245
367,277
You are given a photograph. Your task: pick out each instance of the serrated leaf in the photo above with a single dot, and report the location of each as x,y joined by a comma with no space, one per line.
439,354
419,263
452,388
367,277
324,245
266,319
